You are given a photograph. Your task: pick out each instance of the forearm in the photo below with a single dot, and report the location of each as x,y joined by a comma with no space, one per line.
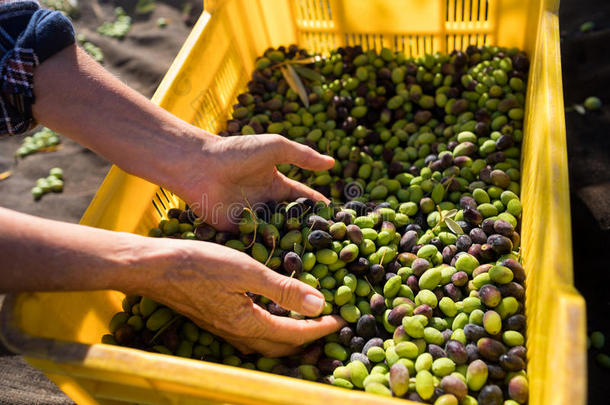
44,255
78,98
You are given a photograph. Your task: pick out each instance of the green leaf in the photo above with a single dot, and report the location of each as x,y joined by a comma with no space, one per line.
453,226
295,83
309,74
305,61
295,62
451,213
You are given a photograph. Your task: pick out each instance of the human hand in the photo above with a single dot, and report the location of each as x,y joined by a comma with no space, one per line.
208,283
244,167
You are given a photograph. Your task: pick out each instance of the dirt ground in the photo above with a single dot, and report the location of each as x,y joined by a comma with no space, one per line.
586,71
140,60
144,55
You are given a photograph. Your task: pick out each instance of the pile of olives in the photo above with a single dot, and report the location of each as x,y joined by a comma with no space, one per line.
45,138
419,249
53,182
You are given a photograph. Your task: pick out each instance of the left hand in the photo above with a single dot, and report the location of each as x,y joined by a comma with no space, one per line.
207,283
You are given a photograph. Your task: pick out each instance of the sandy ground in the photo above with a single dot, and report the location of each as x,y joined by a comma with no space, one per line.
586,72
140,60
144,55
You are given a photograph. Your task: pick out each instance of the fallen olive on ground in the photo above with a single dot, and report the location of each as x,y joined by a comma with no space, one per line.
54,182
43,140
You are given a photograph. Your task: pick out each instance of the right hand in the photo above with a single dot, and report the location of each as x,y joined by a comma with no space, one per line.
208,283
238,170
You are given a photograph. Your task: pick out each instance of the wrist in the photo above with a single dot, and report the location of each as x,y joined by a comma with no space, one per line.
184,157
137,261
149,264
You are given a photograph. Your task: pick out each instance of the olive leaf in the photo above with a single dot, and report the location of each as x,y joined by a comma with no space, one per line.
304,61
453,226
450,213
309,74
295,83
447,219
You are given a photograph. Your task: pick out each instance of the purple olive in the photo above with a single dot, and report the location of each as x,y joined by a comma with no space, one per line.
456,352
366,327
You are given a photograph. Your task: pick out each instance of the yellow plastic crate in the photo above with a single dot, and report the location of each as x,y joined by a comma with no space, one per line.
59,332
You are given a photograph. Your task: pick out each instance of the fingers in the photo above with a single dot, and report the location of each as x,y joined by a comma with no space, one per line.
301,155
291,190
298,332
287,292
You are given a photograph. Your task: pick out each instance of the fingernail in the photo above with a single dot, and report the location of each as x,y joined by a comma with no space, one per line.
313,304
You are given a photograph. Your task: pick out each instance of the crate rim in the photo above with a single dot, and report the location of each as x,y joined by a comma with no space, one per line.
176,369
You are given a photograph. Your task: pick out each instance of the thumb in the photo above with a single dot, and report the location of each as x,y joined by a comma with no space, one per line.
302,156
287,292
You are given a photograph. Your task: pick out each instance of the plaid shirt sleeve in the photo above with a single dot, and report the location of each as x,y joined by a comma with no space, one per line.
28,36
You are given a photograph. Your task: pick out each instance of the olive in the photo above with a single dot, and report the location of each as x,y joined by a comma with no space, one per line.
277,310
500,244
376,273
456,351
477,235
463,243
397,313
474,332
357,344
471,215
512,362
490,349
358,267
373,342
490,395
343,216
311,354
377,303
315,222
320,239
357,206
292,264
436,351
205,232
419,266
345,335
354,234
366,327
